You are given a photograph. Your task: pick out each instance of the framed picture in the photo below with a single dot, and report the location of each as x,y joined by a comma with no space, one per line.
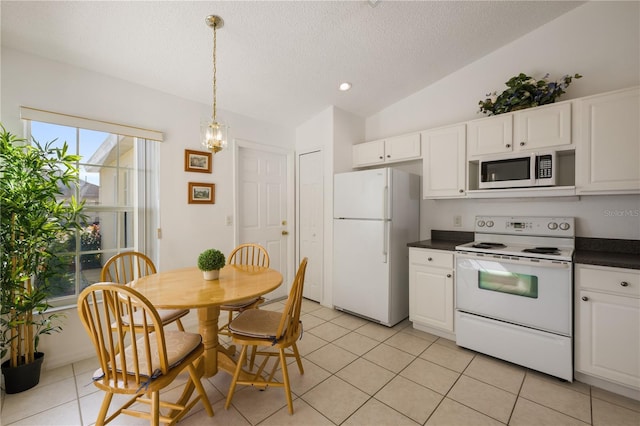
202,193
197,161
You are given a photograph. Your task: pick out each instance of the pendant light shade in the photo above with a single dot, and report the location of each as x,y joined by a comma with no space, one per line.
214,133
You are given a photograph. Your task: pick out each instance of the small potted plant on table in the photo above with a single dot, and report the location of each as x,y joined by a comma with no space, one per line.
210,262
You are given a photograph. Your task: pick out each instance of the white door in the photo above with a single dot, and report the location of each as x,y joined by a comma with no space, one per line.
310,221
262,207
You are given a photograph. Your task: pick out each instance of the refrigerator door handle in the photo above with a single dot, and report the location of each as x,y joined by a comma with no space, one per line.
385,204
385,241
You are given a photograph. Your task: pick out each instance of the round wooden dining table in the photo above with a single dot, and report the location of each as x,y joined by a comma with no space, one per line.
187,289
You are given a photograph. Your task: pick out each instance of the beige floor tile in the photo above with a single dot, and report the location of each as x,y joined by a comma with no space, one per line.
403,324
63,415
487,399
356,343
56,374
329,331
421,334
450,413
38,399
373,413
497,373
331,357
408,343
90,407
301,383
88,365
574,386
327,313
256,405
365,375
349,321
309,321
433,376
376,331
388,357
310,306
335,399
309,343
631,404
556,396
221,417
451,344
608,414
528,413
445,356
409,398
303,414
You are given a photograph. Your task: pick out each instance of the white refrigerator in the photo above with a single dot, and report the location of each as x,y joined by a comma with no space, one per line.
375,214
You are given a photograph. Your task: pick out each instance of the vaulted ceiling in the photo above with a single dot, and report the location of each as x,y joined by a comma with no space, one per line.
280,62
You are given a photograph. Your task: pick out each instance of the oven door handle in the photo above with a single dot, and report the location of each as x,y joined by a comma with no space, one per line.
543,263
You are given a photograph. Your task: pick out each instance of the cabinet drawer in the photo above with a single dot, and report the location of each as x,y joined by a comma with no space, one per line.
625,282
435,258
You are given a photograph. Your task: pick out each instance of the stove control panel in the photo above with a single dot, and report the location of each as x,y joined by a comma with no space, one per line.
526,225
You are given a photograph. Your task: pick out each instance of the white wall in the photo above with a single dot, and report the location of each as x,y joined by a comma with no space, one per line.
186,229
600,40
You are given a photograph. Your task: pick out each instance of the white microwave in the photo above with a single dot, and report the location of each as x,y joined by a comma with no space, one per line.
518,170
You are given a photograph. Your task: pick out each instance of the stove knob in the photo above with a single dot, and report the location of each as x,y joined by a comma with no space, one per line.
564,226
481,223
552,226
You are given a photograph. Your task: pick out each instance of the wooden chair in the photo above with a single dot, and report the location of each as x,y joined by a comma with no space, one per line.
244,254
124,268
151,358
256,327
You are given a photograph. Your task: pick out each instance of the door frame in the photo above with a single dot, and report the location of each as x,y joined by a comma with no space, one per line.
287,276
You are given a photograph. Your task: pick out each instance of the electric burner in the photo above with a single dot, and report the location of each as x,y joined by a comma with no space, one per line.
542,250
489,245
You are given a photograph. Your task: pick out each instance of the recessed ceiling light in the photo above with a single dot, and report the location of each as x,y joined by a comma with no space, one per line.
345,86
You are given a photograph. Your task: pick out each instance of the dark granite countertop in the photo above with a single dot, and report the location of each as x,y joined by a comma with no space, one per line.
615,253
444,240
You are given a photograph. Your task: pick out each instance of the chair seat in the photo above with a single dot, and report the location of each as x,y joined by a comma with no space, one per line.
257,323
238,306
166,316
179,345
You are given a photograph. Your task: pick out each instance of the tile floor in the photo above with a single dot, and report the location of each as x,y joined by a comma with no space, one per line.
357,373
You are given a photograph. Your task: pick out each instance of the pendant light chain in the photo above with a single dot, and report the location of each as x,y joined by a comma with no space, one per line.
214,72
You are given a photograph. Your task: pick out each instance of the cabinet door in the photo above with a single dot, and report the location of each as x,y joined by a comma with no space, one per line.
608,149
490,135
369,153
542,127
608,337
443,165
401,148
431,297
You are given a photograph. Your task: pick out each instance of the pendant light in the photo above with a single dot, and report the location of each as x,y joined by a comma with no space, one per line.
214,134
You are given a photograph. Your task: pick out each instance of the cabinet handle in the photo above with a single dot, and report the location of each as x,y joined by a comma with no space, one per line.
624,284
508,145
448,275
522,143
585,298
381,157
461,190
388,156
429,259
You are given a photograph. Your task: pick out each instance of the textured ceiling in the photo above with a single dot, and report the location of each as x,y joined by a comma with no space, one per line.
280,62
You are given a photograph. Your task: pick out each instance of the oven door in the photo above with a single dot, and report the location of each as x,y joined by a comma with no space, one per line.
533,293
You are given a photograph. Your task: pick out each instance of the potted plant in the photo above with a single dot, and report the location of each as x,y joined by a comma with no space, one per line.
34,219
209,262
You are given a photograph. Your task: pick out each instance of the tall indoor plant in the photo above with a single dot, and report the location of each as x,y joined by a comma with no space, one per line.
34,217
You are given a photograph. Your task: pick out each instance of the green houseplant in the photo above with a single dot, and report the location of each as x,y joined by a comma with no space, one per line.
34,219
210,262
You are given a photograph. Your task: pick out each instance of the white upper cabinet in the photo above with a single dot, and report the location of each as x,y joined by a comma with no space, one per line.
490,135
608,152
530,129
391,150
444,162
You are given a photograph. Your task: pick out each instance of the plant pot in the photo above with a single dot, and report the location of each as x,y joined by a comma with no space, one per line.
23,377
211,275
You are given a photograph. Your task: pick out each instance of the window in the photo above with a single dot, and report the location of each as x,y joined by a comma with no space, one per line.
119,185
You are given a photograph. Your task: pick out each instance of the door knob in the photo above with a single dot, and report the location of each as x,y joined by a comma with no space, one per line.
285,232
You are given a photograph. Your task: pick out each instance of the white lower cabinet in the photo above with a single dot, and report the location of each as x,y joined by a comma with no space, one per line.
431,291
607,338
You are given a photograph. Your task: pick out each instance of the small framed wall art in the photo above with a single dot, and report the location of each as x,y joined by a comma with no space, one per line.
202,193
197,161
